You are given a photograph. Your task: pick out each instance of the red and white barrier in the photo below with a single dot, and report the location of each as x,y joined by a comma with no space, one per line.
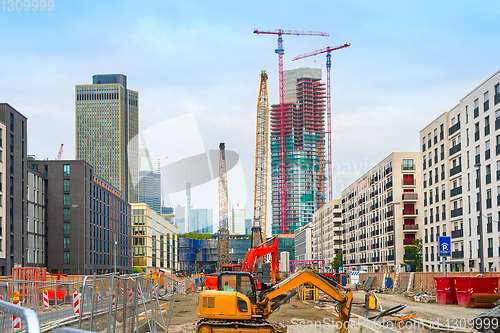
76,302
45,299
129,293
183,284
114,302
16,321
121,289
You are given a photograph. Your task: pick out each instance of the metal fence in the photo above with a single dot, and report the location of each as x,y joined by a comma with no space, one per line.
412,281
108,302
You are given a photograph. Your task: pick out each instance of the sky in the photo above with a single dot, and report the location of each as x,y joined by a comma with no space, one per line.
197,64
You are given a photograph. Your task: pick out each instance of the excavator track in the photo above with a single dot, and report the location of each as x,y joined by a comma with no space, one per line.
234,326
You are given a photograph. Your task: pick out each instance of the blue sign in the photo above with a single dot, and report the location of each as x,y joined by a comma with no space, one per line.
408,268
340,269
444,246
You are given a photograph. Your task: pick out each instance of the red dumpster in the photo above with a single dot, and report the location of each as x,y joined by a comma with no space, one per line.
445,290
468,285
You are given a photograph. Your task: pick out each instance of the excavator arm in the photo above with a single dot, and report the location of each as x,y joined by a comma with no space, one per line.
270,246
307,276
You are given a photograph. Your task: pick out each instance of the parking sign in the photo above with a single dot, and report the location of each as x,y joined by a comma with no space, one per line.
444,246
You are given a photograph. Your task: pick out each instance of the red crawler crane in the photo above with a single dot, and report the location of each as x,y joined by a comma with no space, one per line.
59,154
280,51
328,50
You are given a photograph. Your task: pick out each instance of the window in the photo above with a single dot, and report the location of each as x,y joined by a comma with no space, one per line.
466,114
407,164
66,228
66,199
66,212
66,170
66,185
66,257
66,242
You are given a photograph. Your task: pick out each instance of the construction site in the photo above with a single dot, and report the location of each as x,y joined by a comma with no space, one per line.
266,291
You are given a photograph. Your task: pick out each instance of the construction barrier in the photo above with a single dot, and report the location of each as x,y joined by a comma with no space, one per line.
45,299
16,321
76,302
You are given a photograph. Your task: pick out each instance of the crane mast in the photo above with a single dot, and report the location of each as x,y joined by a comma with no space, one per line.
223,233
59,154
280,51
328,51
259,229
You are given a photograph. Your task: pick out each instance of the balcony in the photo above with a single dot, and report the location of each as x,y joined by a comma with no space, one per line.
388,185
486,105
476,112
497,123
487,154
410,196
390,257
486,130
441,135
453,128
490,253
424,165
431,219
477,182
442,155
389,243
423,147
455,191
425,220
435,139
389,214
497,98
443,195
431,238
457,233
478,206
410,211
443,215
389,228
489,228
476,136
408,168
457,212
488,203
455,170
408,182
455,149
457,254
488,178
436,159
409,256
429,143
410,227
425,202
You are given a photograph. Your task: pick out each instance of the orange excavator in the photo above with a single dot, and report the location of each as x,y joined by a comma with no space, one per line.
268,247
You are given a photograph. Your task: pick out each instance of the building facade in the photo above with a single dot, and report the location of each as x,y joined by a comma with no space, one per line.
15,156
380,214
327,230
4,235
435,187
36,199
155,240
304,143
472,135
303,242
238,218
107,122
85,217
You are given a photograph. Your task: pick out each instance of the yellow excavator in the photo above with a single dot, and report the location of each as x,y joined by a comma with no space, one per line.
235,307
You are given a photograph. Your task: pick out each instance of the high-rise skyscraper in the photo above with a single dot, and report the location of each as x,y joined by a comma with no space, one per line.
304,126
107,123
150,179
238,220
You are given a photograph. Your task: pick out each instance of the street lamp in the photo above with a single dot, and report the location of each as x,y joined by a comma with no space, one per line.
395,243
480,220
78,232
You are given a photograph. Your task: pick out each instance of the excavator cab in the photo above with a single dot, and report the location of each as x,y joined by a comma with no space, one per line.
242,282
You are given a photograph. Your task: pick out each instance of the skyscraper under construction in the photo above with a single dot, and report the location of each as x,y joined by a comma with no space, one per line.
304,143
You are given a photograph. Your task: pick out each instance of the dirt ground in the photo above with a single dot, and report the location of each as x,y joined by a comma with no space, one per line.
184,316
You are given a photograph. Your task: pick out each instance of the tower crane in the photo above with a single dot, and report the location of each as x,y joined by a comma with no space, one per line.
261,148
328,51
280,51
223,233
59,154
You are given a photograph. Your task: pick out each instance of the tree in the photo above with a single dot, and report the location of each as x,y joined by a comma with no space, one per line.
337,261
413,256
195,235
138,270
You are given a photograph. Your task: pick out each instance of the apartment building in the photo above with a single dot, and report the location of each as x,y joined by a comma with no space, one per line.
303,242
327,231
472,128
36,217
154,237
380,214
